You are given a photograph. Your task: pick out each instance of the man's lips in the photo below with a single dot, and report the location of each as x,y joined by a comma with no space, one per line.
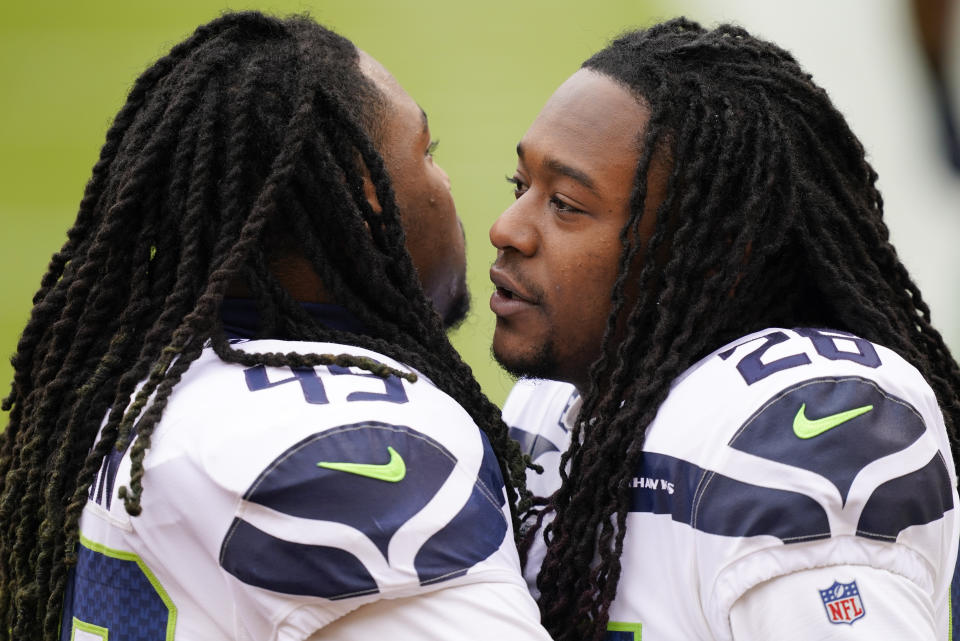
509,297
509,287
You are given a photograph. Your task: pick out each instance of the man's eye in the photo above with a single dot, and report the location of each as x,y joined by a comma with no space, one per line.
432,147
564,207
519,188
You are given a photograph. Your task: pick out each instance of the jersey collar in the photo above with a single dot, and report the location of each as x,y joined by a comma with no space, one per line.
241,319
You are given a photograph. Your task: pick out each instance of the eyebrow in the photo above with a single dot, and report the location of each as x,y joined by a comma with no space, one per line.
423,117
555,166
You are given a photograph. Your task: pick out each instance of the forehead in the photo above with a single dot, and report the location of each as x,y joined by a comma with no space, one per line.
403,116
590,120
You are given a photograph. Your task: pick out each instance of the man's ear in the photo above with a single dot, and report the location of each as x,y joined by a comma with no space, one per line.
370,192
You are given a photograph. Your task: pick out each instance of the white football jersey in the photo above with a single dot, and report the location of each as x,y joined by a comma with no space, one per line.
795,484
279,502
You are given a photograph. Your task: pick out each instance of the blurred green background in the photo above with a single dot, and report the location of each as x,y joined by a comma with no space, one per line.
482,70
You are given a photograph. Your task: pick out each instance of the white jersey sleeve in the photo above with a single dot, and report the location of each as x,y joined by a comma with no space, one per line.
278,501
781,609
496,612
540,414
785,452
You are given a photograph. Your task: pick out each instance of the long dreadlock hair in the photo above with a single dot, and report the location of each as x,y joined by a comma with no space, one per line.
245,142
771,218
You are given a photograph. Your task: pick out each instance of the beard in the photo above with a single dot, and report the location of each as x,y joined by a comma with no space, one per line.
541,364
457,311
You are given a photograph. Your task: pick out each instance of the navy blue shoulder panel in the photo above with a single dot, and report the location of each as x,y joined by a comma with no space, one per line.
782,429
858,424
730,508
475,532
261,559
295,484
537,444
912,499
717,504
533,444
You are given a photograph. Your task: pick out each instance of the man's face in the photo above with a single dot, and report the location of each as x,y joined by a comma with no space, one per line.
558,245
434,234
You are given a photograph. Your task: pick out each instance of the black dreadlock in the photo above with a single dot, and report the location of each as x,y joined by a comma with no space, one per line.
763,162
243,144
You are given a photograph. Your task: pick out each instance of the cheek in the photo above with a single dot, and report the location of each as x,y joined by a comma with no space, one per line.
590,276
585,287
443,215
439,244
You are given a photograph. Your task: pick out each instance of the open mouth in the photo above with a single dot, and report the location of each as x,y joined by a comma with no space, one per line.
505,298
506,293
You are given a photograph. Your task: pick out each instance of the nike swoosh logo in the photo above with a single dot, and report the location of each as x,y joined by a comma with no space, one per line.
392,471
805,428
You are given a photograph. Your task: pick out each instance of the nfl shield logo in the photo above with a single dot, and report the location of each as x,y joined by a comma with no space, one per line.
842,602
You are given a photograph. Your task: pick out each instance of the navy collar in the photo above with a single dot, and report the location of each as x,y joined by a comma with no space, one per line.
241,320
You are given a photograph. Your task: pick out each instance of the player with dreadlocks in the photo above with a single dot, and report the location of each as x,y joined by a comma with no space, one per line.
235,411
758,424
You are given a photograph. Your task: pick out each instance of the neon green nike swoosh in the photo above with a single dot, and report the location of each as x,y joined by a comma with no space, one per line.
803,427
392,471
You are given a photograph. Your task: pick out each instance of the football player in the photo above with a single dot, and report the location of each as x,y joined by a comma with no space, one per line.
755,428
236,413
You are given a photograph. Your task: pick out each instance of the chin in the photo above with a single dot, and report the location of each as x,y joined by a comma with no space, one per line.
457,311
539,363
